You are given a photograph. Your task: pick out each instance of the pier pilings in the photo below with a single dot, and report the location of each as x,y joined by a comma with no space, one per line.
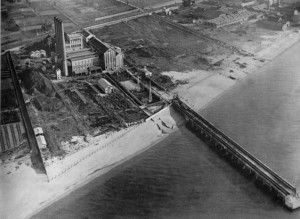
249,165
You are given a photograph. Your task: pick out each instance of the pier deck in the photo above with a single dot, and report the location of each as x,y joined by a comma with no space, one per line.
269,178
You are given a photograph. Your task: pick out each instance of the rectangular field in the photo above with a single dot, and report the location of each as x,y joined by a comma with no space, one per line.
84,13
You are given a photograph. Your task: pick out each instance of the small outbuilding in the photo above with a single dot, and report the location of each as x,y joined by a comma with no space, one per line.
147,73
37,54
58,74
39,135
38,131
43,53
41,141
105,86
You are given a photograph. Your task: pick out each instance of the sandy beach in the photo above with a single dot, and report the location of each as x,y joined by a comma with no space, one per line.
205,86
24,193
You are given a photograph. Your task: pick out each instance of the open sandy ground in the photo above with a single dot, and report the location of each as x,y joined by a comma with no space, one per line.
23,193
205,86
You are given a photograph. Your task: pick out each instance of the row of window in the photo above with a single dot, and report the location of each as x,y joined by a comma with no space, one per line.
75,45
76,68
76,40
82,64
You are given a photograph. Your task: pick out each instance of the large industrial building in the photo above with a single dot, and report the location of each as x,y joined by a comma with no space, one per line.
76,58
82,61
111,58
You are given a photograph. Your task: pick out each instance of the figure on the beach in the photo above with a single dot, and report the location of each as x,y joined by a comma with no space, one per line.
164,124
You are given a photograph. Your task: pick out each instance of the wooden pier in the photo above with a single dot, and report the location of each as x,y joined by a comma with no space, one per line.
251,164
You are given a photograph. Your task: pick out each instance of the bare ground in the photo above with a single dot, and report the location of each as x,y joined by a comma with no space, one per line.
149,41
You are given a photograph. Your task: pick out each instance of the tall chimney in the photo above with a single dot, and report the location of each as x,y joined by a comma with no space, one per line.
60,44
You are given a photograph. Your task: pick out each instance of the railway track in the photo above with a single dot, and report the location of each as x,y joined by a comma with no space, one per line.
35,153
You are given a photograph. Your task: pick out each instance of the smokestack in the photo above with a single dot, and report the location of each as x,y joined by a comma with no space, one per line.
60,44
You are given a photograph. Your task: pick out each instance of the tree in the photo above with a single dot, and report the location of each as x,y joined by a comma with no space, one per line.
34,79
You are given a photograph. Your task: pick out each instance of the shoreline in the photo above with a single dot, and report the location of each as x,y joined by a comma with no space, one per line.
35,193
202,93
97,173
253,73
219,82
245,78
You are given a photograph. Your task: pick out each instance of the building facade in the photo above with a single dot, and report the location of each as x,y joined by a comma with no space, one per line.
111,58
81,65
74,42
